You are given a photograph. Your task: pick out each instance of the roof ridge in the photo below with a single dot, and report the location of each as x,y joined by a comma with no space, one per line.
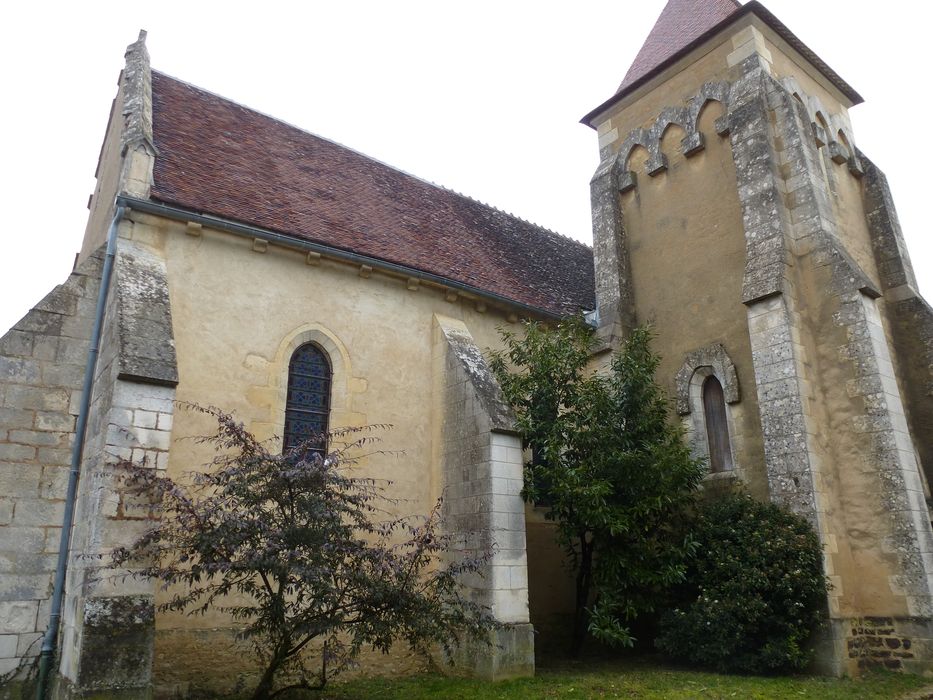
370,158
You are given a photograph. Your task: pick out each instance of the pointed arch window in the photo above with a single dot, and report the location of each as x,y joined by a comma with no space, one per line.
717,427
307,406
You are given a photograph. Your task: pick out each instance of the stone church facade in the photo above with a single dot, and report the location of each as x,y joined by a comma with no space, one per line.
731,209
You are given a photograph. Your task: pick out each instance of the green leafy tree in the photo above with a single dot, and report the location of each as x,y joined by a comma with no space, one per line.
300,552
610,467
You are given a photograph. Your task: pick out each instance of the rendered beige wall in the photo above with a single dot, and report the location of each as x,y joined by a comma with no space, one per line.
238,314
687,248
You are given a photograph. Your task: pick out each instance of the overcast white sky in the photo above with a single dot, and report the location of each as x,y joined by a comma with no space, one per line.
482,97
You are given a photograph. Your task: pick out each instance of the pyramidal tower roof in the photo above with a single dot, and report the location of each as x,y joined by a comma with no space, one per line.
681,22
685,24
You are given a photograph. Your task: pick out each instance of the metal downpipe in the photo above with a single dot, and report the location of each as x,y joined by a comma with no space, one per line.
50,638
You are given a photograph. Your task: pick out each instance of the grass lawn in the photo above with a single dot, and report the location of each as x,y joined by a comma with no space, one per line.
629,680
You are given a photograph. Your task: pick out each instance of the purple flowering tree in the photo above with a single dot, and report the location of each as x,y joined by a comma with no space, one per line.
302,554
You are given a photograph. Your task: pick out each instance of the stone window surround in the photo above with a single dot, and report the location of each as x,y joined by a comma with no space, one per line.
710,361
334,350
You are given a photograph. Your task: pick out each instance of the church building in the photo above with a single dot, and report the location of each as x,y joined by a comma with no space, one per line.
233,260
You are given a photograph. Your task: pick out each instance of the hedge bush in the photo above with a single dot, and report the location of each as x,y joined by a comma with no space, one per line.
753,594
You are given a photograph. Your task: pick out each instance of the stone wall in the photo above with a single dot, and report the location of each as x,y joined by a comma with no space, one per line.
886,642
42,364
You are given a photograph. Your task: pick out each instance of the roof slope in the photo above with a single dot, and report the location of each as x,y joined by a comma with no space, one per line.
680,23
685,24
218,157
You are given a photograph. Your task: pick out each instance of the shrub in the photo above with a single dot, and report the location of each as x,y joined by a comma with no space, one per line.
300,551
754,592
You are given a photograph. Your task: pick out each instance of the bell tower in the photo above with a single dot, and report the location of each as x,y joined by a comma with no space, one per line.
733,211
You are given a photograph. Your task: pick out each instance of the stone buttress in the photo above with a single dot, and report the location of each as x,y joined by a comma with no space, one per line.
108,621
481,465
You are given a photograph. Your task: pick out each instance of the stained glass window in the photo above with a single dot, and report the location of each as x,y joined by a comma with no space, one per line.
307,406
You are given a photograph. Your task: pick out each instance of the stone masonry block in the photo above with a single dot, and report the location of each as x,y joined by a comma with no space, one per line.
506,470
121,436
499,452
518,576
54,482
45,347
70,350
53,537
19,370
26,563
71,376
164,421
29,644
74,402
145,397
122,417
40,322
8,643
511,605
16,453
76,327
36,512
18,616
29,397
780,389
17,344
21,540
39,438
51,456
145,419
18,480
16,418
54,421
153,439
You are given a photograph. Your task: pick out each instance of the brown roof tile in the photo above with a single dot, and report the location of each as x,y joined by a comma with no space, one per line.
220,158
680,23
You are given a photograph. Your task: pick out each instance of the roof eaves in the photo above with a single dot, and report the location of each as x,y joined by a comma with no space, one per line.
768,18
176,213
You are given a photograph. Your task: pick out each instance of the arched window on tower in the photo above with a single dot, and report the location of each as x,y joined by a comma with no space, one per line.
717,428
707,387
307,406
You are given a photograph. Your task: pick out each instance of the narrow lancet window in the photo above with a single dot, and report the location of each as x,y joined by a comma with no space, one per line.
307,407
717,429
